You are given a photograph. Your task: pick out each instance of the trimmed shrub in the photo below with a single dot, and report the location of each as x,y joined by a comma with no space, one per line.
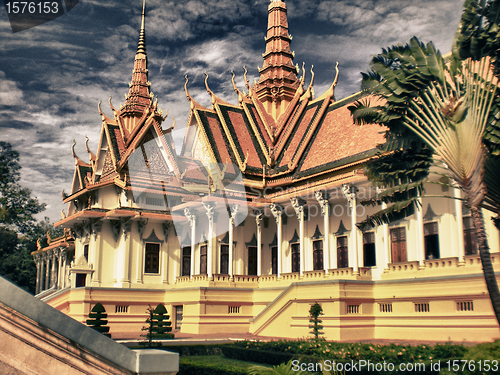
316,323
157,325
97,319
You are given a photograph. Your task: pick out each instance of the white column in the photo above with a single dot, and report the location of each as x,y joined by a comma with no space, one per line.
210,207
127,243
234,212
387,243
277,211
165,253
191,216
59,269
53,271
47,269
298,205
63,256
258,221
460,226
350,194
38,263
420,234
96,229
322,198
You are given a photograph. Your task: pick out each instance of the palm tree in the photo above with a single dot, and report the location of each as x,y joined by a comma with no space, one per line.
441,117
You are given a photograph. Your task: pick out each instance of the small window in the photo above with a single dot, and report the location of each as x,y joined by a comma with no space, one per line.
81,279
465,306
431,240
252,260
152,264
224,259
295,257
203,259
369,249
385,307
353,309
179,310
398,245
186,261
233,309
422,307
274,260
150,201
86,252
121,309
318,255
342,257
470,242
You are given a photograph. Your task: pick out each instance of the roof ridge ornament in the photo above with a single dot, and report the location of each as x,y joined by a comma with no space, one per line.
77,159
206,84
186,88
246,80
111,105
100,110
91,154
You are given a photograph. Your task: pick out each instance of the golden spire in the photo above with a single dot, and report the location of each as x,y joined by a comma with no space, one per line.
278,80
139,97
141,48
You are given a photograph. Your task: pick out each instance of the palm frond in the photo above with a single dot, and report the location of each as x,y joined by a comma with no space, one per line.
395,212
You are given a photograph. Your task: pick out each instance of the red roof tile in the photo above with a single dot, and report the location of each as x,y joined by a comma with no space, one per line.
298,136
244,139
339,138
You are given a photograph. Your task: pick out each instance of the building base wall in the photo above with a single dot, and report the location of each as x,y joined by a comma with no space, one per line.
442,308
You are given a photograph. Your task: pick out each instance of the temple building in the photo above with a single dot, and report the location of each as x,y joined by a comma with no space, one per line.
255,219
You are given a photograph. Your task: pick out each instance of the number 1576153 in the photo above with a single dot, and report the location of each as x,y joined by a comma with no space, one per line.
31,7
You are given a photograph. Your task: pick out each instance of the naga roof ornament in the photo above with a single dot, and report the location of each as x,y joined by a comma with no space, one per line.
92,157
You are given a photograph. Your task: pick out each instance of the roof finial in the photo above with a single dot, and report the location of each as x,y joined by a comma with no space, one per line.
73,151
186,88
206,84
141,48
91,154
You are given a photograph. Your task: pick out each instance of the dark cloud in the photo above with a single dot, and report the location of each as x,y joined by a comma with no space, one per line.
14,124
52,76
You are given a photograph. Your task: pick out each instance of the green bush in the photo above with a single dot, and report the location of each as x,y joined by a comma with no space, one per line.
256,355
195,350
212,365
98,320
157,326
274,352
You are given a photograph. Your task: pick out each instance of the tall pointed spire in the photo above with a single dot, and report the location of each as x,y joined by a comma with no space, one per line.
139,97
278,76
141,48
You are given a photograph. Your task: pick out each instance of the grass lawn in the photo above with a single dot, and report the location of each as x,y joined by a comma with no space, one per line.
218,361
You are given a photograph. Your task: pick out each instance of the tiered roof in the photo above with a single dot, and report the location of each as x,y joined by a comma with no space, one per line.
134,152
278,132
277,135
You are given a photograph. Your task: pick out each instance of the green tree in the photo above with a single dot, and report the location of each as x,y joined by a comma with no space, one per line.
439,114
19,230
17,208
315,322
158,325
98,320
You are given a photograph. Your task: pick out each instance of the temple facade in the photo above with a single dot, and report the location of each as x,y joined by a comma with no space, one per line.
255,219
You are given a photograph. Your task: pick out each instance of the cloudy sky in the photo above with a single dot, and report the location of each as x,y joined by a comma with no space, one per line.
52,76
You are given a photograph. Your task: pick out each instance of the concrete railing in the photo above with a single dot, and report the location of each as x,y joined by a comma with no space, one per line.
65,343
